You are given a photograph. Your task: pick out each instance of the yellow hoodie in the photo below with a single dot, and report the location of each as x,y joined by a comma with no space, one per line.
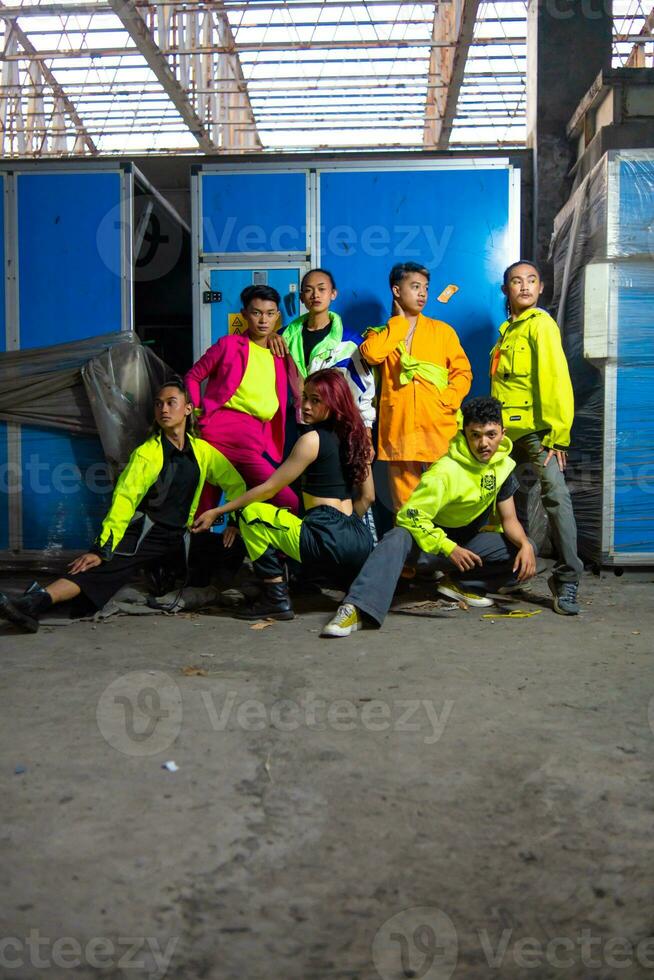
530,377
453,493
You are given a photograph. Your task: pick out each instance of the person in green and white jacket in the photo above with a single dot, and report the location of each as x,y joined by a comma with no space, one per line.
315,342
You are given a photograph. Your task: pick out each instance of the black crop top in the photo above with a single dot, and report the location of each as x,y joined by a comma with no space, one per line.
326,476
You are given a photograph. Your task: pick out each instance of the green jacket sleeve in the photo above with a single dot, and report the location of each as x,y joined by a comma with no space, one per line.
554,385
419,513
221,473
131,487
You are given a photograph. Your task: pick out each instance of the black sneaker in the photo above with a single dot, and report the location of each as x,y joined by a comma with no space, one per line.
565,597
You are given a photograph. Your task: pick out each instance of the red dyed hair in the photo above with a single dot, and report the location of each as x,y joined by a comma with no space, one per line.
345,419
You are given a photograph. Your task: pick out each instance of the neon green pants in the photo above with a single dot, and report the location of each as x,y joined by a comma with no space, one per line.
263,526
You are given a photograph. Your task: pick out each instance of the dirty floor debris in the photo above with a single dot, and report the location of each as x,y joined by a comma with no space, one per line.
449,797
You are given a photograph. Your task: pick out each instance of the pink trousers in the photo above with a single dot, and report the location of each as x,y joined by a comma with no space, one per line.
243,439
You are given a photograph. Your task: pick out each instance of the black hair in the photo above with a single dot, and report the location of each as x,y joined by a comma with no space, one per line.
268,293
175,382
325,272
507,275
484,411
402,269
509,269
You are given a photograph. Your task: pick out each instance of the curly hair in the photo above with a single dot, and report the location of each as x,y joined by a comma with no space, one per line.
346,421
482,411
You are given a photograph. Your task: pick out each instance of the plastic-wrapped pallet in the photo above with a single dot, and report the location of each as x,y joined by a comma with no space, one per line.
603,256
70,415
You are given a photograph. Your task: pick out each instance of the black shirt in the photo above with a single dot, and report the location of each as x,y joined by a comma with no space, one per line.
311,339
169,499
327,476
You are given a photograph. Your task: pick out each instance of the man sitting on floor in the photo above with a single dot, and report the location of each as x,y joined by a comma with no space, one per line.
152,508
446,515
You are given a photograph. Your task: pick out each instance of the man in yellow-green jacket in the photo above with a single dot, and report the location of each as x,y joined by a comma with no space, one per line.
447,516
152,508
530,377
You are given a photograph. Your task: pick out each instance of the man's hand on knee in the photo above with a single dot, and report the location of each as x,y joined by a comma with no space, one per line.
524,566
464,559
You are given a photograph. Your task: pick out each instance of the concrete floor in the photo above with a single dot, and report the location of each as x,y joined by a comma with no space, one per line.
446,797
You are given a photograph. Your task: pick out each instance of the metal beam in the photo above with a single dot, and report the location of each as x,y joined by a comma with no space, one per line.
131,19
636,57
64,9
58,91
456,23
254,47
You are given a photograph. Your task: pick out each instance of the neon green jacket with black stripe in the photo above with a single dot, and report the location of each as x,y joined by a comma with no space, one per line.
143,468
530,377
453,492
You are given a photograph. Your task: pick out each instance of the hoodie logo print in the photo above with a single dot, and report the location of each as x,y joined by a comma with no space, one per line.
488,483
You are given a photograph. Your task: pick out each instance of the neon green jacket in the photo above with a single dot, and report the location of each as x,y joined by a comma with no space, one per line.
530,376
143,468
453,492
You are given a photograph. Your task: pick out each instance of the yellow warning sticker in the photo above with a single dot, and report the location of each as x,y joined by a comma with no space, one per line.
236,323
447,293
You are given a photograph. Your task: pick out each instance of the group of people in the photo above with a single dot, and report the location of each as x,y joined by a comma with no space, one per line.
450,463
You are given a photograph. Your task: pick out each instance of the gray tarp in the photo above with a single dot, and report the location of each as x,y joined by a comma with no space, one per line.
102,385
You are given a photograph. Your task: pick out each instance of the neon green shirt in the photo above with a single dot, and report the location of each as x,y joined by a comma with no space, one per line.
257,393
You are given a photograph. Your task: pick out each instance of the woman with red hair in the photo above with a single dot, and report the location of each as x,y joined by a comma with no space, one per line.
332,458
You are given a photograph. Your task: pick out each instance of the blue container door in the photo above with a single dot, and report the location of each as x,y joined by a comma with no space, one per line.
69,256
229,283
454,222
70,263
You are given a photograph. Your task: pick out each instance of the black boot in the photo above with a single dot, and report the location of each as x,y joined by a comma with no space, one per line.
25,610
273,603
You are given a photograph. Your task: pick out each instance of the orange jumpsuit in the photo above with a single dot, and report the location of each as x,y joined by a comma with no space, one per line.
416,420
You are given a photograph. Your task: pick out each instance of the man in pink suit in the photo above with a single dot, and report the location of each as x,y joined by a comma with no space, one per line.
245,399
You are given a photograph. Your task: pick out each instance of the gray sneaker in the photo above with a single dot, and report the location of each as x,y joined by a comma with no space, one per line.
565,597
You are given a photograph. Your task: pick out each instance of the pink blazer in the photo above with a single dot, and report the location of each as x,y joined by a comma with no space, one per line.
224,365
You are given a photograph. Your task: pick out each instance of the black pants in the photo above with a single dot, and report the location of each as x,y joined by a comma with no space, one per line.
332,546
99,584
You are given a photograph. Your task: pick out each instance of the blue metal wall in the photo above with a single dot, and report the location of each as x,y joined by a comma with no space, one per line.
634,408
455,222
70,261
254,212
69,251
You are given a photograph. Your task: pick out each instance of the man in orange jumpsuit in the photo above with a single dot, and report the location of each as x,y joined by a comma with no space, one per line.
425,376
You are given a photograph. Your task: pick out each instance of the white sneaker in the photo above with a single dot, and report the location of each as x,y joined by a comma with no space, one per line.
347,620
